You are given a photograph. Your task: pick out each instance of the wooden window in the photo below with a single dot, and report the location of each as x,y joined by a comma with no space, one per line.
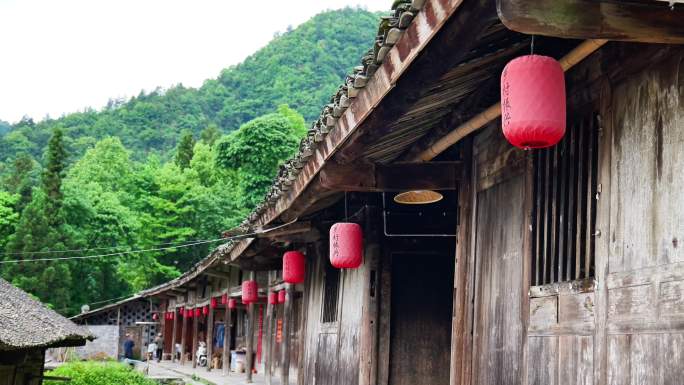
564,209
330,293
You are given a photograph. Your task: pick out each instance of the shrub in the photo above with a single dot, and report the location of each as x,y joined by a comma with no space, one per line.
98,373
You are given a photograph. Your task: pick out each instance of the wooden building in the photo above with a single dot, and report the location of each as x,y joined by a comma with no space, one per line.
554,266
27,329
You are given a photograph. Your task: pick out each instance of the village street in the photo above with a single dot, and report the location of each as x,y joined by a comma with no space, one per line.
166,370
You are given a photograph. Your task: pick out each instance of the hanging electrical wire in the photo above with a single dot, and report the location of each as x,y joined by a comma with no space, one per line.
122,253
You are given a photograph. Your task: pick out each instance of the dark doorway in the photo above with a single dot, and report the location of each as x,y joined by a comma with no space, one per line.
421,311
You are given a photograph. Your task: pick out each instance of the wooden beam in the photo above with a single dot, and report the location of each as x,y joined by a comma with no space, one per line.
174,329
183,333
228,330
193,347
210,337
216,274
287,317
250,335
393,177
649,22
268,356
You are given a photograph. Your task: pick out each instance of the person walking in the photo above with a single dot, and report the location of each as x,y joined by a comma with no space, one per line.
128,347
159,341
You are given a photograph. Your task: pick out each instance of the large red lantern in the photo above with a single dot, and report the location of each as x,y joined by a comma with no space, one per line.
293,267
281,296
172,315
250,292
272,298
346,245
213,303
232,303
205,310
198,312
188,313
224,299
533,102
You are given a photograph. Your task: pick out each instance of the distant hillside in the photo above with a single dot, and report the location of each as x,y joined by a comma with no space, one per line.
301,68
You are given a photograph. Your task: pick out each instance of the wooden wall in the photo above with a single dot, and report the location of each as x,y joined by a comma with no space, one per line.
22,367
645,266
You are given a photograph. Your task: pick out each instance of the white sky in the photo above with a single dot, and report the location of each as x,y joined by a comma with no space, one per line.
61,56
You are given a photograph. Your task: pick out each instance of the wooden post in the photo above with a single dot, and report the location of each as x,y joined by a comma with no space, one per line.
173,336
287,316
193,347
368,333
269,331
210,336
250,335
227,320
184,330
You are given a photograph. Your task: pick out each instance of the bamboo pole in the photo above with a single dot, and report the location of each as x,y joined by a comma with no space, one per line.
287,319
227,331
573,57
210,335
173,336
269,332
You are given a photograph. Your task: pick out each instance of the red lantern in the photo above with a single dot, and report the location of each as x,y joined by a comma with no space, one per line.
250,291
198,312
224,299
293,267
281,296
155,316
213,303
346,245
205,310
533,102
181,310
188,313
172,315
272,298
232,303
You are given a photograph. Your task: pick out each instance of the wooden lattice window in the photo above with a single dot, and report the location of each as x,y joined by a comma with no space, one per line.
564,209
330,293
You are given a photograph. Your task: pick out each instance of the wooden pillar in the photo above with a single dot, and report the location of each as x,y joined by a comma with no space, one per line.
173,336
268,356
227,320
184,330
368,333
210,336
193,347
287,317
250,335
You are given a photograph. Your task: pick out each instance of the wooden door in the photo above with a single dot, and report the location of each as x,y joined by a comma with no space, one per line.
498,329
420,326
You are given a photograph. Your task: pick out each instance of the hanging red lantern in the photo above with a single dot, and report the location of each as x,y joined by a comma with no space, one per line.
181,310
533,102
224,299
232,303
250,291
188,313
213,303
205,310
155,316
272,298
293,267
172,315
281,296
346,245
198,312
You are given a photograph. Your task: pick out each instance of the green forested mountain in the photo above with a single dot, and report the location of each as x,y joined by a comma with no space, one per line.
161,170
301,68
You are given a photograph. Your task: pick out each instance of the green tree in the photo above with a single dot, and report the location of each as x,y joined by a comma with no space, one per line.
185,151
52,177
257,149
210,135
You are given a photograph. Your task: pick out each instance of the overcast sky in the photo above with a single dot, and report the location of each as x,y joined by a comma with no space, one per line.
60,56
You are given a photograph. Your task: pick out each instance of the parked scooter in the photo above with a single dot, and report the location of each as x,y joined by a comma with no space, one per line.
202,354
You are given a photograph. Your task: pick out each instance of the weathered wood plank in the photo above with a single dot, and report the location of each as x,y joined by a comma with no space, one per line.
652,22
542,367
393,177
